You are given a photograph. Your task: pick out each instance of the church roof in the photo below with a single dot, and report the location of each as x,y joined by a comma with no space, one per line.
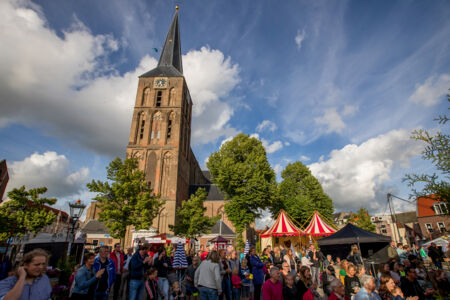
170,63
213,191
94,226
225,230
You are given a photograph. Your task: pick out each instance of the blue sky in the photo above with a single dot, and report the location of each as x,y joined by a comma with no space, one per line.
338,85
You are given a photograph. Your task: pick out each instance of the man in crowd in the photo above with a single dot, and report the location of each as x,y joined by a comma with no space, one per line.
315,260
164,265
436,255
273,289
102,261
338,290
411,287
367,292
139,264
30,282
118,258
392,251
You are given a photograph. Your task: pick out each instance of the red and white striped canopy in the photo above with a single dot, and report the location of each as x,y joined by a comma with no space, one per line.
318,227
283,227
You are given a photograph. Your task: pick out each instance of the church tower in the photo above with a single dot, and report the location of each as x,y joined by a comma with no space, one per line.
161,128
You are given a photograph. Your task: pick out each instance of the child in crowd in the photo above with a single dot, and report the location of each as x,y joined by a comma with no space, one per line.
152,289
246,280
236,282
397,294
176,293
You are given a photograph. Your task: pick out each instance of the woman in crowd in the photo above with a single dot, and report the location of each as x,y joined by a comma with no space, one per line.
395,272
258,273
225,273
234,260
383,269
351,282
304,281
343,270
289,258
30,281
305,259
277,258
386,288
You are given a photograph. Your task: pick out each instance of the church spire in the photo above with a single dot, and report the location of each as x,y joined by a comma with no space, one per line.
170,63
171,53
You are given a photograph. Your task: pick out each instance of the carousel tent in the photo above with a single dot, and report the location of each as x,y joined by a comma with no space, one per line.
339,244
318,227
282,228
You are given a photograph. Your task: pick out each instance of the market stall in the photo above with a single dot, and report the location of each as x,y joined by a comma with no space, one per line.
282,231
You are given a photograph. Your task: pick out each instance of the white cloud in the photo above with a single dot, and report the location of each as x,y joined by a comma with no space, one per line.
304,158
65,86
50,170
430,92
266,125
278,169
301,35
270,148
210,77
354,175
332,120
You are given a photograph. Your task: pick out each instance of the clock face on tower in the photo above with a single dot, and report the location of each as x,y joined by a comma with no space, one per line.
160,83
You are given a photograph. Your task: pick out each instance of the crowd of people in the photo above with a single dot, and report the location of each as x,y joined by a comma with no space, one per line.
274,274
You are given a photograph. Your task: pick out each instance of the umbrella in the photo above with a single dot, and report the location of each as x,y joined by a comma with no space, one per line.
246,248
179,260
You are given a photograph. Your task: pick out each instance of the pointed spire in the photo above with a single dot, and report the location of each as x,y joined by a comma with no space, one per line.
171,53
170,63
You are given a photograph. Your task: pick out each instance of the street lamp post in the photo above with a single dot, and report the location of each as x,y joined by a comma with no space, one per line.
75,210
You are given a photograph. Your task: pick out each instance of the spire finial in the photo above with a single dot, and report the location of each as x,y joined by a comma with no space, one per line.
177,7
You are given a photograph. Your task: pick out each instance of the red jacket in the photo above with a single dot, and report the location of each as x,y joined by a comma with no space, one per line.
333,296
113,256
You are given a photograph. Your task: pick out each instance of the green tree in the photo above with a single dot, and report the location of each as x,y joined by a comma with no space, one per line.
192,221
25,213
126,198
437,151
362,220
300,194
241,170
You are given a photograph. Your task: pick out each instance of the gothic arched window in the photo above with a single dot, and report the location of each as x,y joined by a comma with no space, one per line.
145,96
158,99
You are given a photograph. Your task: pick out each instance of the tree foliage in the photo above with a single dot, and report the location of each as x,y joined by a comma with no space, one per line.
192,221
300,194
241,170
362,220
126,198
25,212
437,151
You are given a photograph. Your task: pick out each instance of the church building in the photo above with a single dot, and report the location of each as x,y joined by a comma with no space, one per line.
160,136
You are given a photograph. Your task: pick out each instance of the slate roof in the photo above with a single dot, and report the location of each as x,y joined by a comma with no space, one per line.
94,226
225,229
213,191
170,63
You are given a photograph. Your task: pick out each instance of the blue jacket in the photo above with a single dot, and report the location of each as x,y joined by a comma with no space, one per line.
83,280
137,267
111,269
257,269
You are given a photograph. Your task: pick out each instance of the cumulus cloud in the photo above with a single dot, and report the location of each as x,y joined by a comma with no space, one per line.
354,175
266,125
210,77
64,85
430,92
304,158
50,170
270,147
301,35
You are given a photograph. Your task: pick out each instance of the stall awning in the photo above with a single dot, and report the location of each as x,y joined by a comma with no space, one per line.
283,226
318,227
